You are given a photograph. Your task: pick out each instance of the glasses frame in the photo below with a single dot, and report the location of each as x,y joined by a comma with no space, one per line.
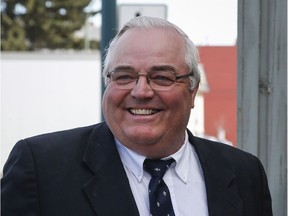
162,87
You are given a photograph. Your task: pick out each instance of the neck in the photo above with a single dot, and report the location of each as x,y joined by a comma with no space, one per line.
156,150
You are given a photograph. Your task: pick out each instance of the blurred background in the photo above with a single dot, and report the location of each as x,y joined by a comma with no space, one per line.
51,54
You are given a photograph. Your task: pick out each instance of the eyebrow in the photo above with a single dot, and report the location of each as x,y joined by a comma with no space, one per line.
124,68
163,68
152,69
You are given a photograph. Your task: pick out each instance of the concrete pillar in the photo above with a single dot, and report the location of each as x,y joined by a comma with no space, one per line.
262,90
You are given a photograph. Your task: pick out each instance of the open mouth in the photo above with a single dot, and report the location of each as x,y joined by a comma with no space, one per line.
143,111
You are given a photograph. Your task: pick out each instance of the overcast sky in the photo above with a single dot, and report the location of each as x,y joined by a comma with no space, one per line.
207,22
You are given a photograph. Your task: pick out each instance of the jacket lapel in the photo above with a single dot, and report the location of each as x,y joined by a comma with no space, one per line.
108,190
220,181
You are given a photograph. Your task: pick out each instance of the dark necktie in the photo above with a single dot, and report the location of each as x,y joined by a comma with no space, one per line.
159,195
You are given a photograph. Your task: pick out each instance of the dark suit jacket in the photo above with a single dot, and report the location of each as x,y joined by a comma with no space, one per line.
79,172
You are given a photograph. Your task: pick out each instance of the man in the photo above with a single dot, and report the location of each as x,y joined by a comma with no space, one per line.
151,78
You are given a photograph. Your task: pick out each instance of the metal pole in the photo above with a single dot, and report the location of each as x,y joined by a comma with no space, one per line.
108,30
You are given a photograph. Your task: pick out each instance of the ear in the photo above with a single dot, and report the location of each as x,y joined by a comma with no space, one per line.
193,96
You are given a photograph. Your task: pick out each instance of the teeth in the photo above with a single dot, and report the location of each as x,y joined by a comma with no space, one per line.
142,111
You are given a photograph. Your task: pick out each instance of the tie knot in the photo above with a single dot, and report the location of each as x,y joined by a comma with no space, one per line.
157,167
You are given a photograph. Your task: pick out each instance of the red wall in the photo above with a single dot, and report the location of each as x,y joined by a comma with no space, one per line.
220,102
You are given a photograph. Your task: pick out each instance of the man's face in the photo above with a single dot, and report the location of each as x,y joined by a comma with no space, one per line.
150,122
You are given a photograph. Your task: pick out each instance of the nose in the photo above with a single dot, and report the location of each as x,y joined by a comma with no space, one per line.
142,89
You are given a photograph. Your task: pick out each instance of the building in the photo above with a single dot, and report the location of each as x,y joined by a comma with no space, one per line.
220,102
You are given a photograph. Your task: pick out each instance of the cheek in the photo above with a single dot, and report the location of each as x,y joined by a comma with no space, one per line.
181,108
109,102
179,102
105,105
112,102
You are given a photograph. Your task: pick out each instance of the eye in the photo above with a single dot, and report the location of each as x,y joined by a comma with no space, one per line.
123,77
163,78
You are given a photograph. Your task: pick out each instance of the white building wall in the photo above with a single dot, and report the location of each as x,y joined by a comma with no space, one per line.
41,93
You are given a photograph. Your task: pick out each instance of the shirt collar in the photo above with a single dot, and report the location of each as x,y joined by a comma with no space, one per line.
181,157
134,161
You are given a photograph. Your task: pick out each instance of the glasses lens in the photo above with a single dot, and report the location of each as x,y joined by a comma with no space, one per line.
162,79
123,78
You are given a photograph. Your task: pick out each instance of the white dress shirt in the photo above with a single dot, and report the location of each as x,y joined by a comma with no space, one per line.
184,179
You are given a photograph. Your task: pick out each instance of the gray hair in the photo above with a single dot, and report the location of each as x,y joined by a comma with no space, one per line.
191,57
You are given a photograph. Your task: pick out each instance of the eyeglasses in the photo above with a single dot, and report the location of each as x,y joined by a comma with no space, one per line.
158,80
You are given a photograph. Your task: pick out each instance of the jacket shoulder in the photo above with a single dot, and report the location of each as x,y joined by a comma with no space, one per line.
63,134
224,154
55,144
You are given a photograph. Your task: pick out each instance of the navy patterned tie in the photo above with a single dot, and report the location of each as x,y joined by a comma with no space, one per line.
159,195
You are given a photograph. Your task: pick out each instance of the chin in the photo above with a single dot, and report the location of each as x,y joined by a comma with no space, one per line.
143,135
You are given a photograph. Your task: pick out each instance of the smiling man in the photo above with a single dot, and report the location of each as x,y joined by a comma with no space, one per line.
142,160
145,115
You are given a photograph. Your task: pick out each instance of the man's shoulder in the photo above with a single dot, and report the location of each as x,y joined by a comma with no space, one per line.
221,151
62,134
69,138
219,156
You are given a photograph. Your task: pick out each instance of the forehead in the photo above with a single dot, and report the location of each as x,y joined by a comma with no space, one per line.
144,45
